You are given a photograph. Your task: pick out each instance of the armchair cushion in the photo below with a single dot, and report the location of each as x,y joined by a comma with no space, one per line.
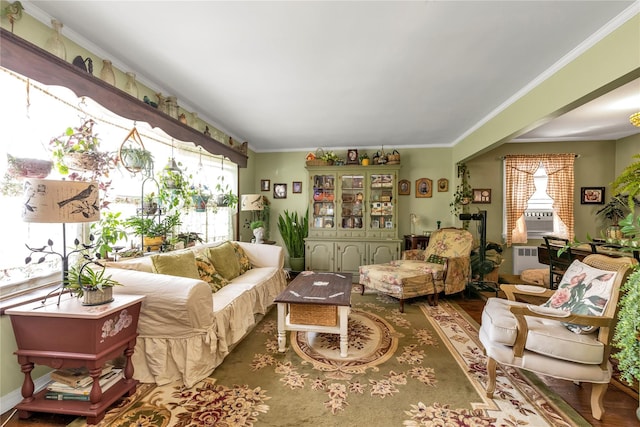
583,290
546,337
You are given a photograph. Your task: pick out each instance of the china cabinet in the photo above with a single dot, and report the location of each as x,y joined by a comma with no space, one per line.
353,217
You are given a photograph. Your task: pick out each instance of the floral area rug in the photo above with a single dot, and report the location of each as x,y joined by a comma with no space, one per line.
424,367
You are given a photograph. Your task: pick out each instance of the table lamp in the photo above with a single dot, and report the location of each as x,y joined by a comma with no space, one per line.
255,204
51,201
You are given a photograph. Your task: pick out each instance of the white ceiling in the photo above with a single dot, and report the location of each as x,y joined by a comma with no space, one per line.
301,75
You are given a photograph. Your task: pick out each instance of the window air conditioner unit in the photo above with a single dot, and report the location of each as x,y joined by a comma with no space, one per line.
539,222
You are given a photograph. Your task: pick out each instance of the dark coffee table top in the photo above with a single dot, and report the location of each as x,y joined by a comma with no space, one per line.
318,288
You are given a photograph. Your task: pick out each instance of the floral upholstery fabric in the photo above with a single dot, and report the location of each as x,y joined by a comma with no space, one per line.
245,264
583,290
412,276
209,274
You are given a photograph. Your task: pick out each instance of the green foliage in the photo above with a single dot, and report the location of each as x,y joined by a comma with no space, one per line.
83,277
108,231
256,224
627,332
150,227
175,190
628,182
294,229
137,159
464,192
616,208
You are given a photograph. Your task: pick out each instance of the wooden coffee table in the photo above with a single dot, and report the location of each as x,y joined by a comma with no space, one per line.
315,302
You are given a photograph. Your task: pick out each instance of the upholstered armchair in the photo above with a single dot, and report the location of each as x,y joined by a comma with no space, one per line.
567,337
443,266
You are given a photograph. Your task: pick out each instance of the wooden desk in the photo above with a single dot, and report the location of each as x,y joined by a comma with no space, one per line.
71,335
582,251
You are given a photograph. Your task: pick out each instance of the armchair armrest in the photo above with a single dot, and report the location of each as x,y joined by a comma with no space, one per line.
538,291
414,254
523,329
457,268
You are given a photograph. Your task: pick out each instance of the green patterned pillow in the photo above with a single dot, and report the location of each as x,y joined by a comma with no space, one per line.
209,274
437,259
176,264
224,259
245,264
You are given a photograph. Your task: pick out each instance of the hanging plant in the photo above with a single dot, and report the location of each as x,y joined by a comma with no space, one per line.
133,156
464,193
76,154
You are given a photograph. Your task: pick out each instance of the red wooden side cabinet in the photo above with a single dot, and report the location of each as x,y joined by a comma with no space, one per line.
70,335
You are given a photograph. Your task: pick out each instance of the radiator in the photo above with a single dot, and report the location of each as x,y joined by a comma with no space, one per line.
525,257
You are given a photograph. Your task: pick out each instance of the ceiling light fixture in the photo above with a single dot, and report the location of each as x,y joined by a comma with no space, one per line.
635,119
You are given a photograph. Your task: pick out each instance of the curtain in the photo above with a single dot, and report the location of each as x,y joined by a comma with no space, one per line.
520,186
560,187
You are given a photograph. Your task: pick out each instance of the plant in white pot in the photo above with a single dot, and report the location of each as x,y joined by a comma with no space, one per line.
258,231
294,229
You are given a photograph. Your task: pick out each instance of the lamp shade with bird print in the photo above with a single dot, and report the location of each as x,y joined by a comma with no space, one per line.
51,201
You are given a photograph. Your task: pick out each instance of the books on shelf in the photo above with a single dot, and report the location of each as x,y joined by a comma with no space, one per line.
76,377
61,391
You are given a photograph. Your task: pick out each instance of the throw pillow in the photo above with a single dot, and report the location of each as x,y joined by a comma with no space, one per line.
209,274
224,259
583,290
243,259
181,264
436,259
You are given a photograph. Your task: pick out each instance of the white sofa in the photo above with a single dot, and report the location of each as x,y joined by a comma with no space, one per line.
185,330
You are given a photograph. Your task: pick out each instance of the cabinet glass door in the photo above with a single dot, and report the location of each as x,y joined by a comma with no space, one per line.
323,215
381,213
352,211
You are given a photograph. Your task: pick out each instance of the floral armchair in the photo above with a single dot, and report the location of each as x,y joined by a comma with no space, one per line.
443,266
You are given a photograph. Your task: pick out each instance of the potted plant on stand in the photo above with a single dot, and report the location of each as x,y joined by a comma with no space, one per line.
152,231
93,286
294,229
615,210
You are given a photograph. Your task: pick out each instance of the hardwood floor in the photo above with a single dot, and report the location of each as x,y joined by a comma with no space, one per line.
620,406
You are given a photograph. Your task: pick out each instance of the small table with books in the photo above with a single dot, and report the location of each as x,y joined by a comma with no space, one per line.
315,302
76,339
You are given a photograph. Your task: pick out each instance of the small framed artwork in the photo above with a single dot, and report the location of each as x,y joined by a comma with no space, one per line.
297,186
352,157
265,184
404,187
424,187
388,224
279,191
481,195
592,195
443,185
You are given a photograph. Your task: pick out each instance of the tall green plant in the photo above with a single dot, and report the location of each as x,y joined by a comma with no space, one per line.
294,229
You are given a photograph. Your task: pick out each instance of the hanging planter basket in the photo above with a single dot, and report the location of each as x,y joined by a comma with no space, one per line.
132,154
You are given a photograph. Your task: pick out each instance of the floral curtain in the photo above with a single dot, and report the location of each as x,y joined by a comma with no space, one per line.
520,186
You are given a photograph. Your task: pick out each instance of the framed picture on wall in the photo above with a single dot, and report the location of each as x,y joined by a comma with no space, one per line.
297,186
443,185
352,157
265,185
592,195
404,187
279,191
424,187
481,195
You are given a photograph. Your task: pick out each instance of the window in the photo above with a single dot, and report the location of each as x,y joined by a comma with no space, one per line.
526,193
33,114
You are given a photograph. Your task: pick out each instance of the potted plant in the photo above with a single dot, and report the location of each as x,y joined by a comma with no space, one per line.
152,231
136,160
364,159
93,286
464,193
294,229
108,231
224,195
258,230
627,332
188,239
175,189
616,209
